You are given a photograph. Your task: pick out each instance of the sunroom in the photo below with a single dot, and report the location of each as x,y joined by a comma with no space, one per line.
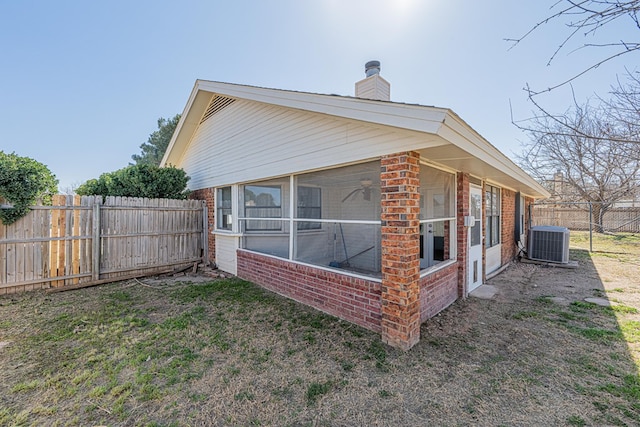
331,219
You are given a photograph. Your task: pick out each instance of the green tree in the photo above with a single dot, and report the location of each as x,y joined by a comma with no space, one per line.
23,181
153,150
141,180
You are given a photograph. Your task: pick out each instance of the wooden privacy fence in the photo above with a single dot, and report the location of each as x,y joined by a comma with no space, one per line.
579,216
83,241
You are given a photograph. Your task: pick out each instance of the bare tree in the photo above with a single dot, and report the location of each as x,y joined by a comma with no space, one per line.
593,149
624,107
587,18
585,147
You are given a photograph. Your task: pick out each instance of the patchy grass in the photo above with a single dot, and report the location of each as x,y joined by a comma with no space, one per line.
614,243
316,390
226,352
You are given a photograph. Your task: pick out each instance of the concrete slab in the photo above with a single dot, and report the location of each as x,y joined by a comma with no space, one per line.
570,264
600,301
484,292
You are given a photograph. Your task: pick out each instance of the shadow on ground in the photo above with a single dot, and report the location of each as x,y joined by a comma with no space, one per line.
570,338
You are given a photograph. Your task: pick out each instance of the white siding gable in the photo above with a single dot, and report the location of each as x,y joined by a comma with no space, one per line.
250,140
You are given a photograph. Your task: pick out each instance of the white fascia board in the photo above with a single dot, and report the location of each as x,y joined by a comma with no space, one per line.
189,120
413,117
462,135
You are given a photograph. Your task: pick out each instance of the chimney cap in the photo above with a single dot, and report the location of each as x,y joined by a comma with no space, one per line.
371,68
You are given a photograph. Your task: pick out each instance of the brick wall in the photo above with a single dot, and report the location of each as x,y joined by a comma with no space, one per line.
508,227
208,194
353,299
462,196
400,221
438,291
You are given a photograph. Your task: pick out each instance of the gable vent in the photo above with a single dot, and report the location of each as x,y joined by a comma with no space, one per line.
217,104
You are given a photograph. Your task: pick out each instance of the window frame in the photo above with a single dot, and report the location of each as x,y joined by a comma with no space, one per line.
493,214
449,223
221,211
302,223
269,219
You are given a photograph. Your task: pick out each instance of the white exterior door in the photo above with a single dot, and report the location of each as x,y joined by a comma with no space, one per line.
474,269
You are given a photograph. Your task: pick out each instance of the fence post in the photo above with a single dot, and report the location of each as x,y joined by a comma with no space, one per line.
590,228
95,274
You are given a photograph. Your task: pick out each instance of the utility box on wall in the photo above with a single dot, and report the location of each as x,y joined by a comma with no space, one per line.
549,243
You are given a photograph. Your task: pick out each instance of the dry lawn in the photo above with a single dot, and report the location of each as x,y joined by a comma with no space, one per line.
224,352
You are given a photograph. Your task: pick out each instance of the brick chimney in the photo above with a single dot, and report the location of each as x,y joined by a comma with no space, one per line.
373,86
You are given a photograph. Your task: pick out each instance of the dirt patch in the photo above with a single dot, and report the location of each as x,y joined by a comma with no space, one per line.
224,352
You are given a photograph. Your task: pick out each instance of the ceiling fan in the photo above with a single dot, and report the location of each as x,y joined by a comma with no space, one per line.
365,189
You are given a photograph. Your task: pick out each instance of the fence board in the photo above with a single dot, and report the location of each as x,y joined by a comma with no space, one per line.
83,240
576,217
3,255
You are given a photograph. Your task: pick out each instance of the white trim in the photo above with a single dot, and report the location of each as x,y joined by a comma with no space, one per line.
436,121
226,233
282,218
459,133
415,117
451,218
235,209
329,221
293,203
478,257
486,216
343,221
493,258
426,162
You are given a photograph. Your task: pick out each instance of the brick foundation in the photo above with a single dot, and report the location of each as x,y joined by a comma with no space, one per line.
438,291
352,299
400,221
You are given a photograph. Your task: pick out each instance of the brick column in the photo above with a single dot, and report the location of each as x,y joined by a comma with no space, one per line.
508,201
208,195
462,195
400,217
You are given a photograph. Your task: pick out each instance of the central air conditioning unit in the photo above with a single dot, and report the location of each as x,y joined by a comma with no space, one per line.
549,243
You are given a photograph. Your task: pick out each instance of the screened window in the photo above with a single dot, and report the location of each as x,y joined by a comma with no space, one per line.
264,217
224,219
309,206
342,206
492,216
437,216
263,201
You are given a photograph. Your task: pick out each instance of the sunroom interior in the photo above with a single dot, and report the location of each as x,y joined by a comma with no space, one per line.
333,219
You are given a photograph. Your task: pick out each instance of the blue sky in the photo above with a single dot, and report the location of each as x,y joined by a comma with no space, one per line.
82,83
